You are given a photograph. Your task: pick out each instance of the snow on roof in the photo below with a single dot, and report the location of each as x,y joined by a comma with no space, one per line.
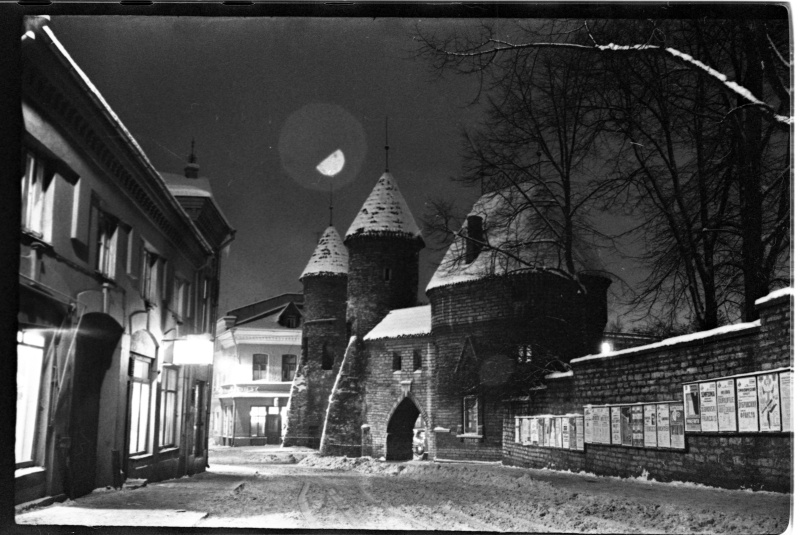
775,295
527,237
414,321
673,341
330,257
179,185
558,375
384,212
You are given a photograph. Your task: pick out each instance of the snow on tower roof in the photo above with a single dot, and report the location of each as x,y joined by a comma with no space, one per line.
330,257
385,212
521,237
414,321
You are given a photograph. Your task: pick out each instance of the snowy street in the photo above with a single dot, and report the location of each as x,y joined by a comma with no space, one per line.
257,489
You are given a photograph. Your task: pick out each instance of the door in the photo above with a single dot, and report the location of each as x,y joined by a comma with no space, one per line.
199,410
274,425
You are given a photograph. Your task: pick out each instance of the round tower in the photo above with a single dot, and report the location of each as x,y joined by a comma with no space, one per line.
383,243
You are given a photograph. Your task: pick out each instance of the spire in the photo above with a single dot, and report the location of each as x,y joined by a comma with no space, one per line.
385,212
330,198
386,147
192,169
329,258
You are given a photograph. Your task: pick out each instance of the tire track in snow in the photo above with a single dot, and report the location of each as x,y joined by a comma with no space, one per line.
391,510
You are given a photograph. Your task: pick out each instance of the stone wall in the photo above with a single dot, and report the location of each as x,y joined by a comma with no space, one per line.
732,460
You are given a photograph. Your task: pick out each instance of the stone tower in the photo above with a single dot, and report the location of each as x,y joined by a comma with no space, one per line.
383,243
324,339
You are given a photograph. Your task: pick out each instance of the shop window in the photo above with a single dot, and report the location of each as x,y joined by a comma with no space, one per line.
472,415
259,367
30,357
258,421
417,357
36,181
107,238
397,362
140,372
288,366
169,406
327,357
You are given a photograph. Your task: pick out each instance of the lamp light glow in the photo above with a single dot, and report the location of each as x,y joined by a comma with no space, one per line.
194,349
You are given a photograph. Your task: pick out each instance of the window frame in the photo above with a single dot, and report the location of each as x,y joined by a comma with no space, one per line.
397,361
263,426
168,392
141,416
30,425
260,371
108,229
416,356
284,371
472,414
36,182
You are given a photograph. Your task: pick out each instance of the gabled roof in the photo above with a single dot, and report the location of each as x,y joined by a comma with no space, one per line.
414,321
384,213
273,306
330,257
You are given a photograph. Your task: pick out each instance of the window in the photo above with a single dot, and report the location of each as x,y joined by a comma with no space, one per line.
179,297
140,369
169,405
288,367
417,359
258,421
524,353
206,287
387,274
259,367
397,362
472,415
35,182
107,236
149,285
304,349
30,356
327,357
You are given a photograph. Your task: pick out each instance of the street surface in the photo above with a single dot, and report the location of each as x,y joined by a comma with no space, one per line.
260,487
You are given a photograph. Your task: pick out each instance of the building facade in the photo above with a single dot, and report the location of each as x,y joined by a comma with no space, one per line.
118,288
255,359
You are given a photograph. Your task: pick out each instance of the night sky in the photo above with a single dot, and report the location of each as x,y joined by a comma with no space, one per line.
266,101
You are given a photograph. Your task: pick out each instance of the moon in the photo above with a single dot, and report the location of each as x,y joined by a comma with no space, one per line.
331,165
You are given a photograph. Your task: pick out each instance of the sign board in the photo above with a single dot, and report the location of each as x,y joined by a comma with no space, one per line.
785,380
747,404
587,425
579,437
708,407
676,426
650,440
637,426
726,405
769,408
662,425
625,426
616,431
691,404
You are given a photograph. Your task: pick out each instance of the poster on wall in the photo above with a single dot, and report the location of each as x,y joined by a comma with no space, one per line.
662,425
565,437
726,405
524,432
542,431
573,433
548,431
747,404
650,440
769,409
534,431
676,426
616,431
517,427
691,404
579,437
587,425
708,407
637,426
785,380
625,426
557,435
602,425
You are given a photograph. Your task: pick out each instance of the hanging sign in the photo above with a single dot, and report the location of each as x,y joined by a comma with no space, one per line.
625,426
769,410
616,432
691,404
785,380
708,407
726,405
676,426
587,425
662,425
650,440
579,436
746,399
637,426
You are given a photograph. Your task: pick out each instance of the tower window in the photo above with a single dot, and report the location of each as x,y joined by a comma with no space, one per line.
387,274
417,359
327,357
397,362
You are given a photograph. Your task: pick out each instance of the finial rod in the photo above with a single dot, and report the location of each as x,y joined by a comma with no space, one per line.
387,144
192,157
330,197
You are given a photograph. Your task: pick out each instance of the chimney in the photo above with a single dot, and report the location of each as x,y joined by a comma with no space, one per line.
474,232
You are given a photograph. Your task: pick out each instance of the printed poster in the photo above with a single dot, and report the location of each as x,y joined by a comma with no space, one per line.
573,433
726,405
691,404
602,425
587,425
534,430
565,433
650,440
524,430
747,404
662,425
517,427
557,442
625,426
548,430
616,431
542,431
579,437
676,426
637,426
785,380
769,407
708,407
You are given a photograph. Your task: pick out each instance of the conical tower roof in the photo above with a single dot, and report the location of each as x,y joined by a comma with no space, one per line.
330,257
384,213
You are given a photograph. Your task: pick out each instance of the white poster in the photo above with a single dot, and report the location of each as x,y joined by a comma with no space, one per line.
587,425
650,440
616,431
662,425
691,405
786,400
726,405
708,407
601,432
565,433
557,434
548,431
525,431
534,430
517,427
747,404
579,437
769,406
676,426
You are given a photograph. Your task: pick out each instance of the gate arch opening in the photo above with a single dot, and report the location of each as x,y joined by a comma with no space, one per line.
400,431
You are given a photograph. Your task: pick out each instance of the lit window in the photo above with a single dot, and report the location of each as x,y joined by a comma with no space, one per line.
30,356
288,367
606,347
35,183
258,421
169,405
524,353
140,403
471,415
397,362
259,367
107,235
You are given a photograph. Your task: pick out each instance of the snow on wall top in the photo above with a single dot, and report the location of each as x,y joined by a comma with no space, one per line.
384,212
776,294
330,257
527,238
414,321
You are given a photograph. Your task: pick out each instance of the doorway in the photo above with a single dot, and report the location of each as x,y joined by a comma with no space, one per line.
400,431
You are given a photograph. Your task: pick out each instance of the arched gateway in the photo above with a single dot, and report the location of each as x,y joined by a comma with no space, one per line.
400,431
